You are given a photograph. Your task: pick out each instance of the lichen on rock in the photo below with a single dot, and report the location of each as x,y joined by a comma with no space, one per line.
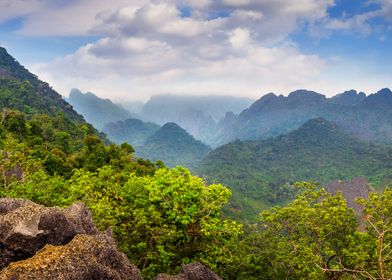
85,257
25,227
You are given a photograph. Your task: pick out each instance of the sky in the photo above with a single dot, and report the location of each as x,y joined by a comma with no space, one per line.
133,49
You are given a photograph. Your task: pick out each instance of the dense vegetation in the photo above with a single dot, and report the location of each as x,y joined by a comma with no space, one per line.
261,172
21,90
161,218
164,217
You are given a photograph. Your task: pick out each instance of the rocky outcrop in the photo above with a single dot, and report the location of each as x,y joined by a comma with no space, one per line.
25,227
50,243
195,271
85,257
351,190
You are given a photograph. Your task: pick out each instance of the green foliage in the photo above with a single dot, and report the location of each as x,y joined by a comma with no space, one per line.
160,221
162,218
317,237
23,91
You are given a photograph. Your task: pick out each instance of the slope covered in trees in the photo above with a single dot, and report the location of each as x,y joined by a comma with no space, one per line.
174,146
23,91
260,172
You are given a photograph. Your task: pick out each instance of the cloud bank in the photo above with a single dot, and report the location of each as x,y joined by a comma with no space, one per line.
239,47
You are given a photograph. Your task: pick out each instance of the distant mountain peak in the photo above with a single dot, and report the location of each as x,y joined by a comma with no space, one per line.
174,146
168,131
349,98
379,100
172,125
384,91
305,94
96,110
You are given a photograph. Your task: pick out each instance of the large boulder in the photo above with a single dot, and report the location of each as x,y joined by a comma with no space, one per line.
86,257
194,271
26,227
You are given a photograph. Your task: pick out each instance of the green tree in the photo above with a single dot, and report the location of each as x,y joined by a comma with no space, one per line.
162,220
299,240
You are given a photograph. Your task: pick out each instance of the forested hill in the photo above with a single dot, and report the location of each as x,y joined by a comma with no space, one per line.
174,146
23,91
258,171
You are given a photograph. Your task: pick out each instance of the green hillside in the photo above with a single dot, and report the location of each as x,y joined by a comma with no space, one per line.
23,91
174,146
260,172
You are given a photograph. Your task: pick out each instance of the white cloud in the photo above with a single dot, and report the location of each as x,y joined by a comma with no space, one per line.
219,47
61,18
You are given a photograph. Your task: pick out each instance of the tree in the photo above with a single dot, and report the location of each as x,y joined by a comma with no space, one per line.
160,221
299,240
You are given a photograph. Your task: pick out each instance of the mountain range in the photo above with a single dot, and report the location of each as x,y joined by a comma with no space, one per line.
304,136
366,118
198,115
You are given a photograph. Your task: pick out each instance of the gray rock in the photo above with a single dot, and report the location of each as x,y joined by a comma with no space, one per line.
25,227
86,257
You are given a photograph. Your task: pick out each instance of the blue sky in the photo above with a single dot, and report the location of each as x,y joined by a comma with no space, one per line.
128,50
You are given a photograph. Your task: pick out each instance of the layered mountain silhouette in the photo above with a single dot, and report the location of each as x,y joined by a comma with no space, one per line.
174,146
259,172
198,115
95,110
23,91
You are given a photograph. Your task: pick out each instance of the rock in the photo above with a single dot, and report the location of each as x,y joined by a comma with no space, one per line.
351,189
25,227
86,257
194,271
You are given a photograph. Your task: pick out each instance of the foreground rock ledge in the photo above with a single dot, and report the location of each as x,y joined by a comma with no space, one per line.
85,257
26,227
